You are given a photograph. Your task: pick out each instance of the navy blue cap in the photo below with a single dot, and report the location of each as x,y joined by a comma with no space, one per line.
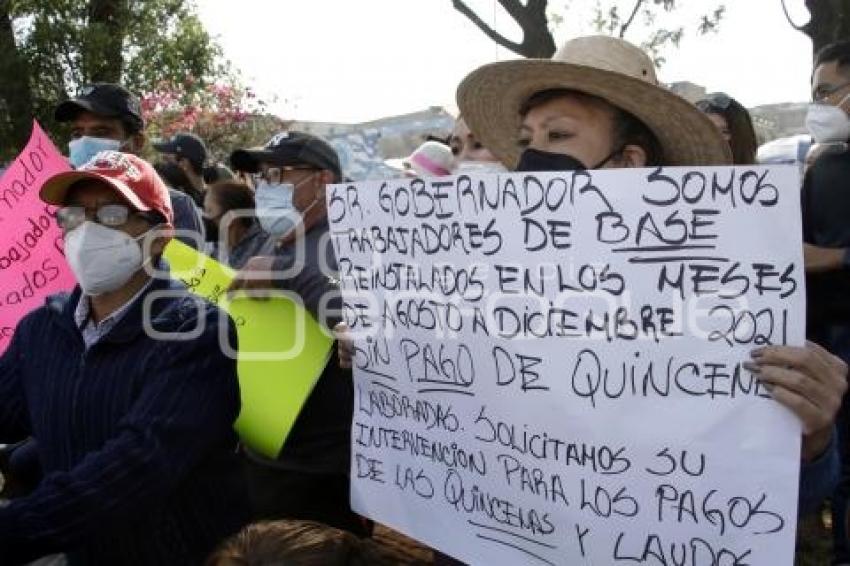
289,148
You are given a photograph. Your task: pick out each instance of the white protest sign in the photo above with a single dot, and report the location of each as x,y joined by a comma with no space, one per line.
548,367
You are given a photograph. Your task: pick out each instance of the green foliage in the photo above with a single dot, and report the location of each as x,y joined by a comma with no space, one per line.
184,48
64,44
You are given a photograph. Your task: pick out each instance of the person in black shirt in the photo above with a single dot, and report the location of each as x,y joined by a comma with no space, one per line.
309,479
188,152
826,237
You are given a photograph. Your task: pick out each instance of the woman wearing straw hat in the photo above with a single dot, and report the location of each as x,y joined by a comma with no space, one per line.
597,104
597,100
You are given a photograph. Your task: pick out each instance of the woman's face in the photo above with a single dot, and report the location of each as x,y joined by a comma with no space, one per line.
720,121
465,147
212,209
572,125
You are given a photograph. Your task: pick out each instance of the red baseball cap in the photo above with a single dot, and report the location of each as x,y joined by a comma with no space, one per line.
132,177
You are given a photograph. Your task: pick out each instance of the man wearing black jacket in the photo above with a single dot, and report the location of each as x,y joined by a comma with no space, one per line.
106,116
826,236
310,477
125,385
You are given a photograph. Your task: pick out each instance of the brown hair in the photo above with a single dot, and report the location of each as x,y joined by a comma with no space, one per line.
301,543
628,130
744,144
838,51
233,195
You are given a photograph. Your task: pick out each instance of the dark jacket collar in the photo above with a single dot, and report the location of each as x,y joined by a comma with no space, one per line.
132,323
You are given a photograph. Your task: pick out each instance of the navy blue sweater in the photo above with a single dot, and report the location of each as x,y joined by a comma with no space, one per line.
135,435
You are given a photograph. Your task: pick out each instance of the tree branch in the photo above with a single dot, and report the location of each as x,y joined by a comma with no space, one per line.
788,17
631,18
461,7
103,61
14,88
537,40
514,8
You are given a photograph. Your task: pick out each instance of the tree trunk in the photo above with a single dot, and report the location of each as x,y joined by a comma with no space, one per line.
16,112
536,41
103,60
829,22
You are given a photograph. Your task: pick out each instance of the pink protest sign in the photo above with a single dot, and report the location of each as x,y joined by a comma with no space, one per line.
32,265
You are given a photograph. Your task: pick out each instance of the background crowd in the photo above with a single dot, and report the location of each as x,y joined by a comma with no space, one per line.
120,446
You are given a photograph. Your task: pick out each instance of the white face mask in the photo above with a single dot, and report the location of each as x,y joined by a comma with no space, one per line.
82,150
479,168
274,207
102,259
828,123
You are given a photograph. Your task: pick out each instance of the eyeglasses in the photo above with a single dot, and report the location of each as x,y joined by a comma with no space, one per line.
825,91
274,175
110,215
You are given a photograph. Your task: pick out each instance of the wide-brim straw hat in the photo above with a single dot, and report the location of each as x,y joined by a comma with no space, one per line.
610,68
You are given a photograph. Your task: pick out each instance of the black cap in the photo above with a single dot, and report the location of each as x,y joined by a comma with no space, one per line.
288,148
104,99
189,146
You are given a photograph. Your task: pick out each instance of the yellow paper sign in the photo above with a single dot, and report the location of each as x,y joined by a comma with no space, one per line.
282,349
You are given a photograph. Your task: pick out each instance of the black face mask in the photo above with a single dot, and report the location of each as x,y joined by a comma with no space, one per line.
211,227
537,160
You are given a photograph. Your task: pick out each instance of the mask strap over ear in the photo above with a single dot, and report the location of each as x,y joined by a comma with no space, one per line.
311,205
305,179
610,156
148,232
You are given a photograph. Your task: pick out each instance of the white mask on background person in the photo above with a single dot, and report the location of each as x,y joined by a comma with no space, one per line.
83,149
478,168
102,259
828,123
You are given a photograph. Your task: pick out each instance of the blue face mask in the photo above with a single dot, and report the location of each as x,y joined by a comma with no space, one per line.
82,150
274,207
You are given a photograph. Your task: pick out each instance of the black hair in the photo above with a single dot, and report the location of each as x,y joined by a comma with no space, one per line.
131,127
627,130
838,51
215,172
744,143
173,175
233,195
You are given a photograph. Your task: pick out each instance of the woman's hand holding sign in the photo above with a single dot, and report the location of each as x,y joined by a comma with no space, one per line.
345,345
811,382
